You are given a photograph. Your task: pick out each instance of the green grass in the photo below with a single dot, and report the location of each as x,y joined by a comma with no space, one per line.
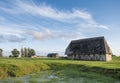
15,67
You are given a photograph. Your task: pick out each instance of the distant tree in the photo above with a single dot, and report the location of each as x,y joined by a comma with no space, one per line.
26,52
1,52
22,52
113,55
31,52
10,55
15,53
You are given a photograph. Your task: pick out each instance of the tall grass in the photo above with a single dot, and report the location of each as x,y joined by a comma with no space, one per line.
15,67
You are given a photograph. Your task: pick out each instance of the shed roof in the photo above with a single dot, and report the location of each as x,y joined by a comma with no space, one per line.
52,54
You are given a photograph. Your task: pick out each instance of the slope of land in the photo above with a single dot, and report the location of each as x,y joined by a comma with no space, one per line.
15,67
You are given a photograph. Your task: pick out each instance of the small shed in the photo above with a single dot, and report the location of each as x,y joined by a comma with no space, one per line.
95,48
53,55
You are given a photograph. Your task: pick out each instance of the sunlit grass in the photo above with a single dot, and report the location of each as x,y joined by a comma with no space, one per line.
21,66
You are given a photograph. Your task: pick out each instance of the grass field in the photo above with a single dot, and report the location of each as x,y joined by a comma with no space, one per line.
15,67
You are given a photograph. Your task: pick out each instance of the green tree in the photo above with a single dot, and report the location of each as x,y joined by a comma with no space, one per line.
1,52
32,52
22,52
10,55
15,53
29,52
26,52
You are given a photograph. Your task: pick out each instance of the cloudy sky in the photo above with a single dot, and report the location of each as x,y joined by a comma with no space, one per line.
49,25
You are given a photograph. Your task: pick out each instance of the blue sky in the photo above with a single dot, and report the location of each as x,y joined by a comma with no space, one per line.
49,25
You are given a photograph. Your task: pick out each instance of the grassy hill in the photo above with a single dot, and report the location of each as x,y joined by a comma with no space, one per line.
15,67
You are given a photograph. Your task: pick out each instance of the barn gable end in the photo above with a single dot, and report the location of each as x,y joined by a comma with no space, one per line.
89,49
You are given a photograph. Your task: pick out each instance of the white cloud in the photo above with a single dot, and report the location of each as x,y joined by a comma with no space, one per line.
9,34
71,16
45,34
48,34
11,38
13,31
93,25
21,7
19,34
9,29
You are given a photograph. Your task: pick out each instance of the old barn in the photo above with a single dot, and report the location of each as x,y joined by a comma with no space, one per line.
53,55
89,49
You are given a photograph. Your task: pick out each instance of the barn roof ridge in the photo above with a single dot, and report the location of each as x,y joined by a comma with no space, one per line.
85,39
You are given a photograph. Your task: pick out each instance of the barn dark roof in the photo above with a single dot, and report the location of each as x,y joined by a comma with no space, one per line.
52,55
96,45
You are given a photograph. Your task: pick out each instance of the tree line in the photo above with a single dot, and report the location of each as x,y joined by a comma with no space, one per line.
25,52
